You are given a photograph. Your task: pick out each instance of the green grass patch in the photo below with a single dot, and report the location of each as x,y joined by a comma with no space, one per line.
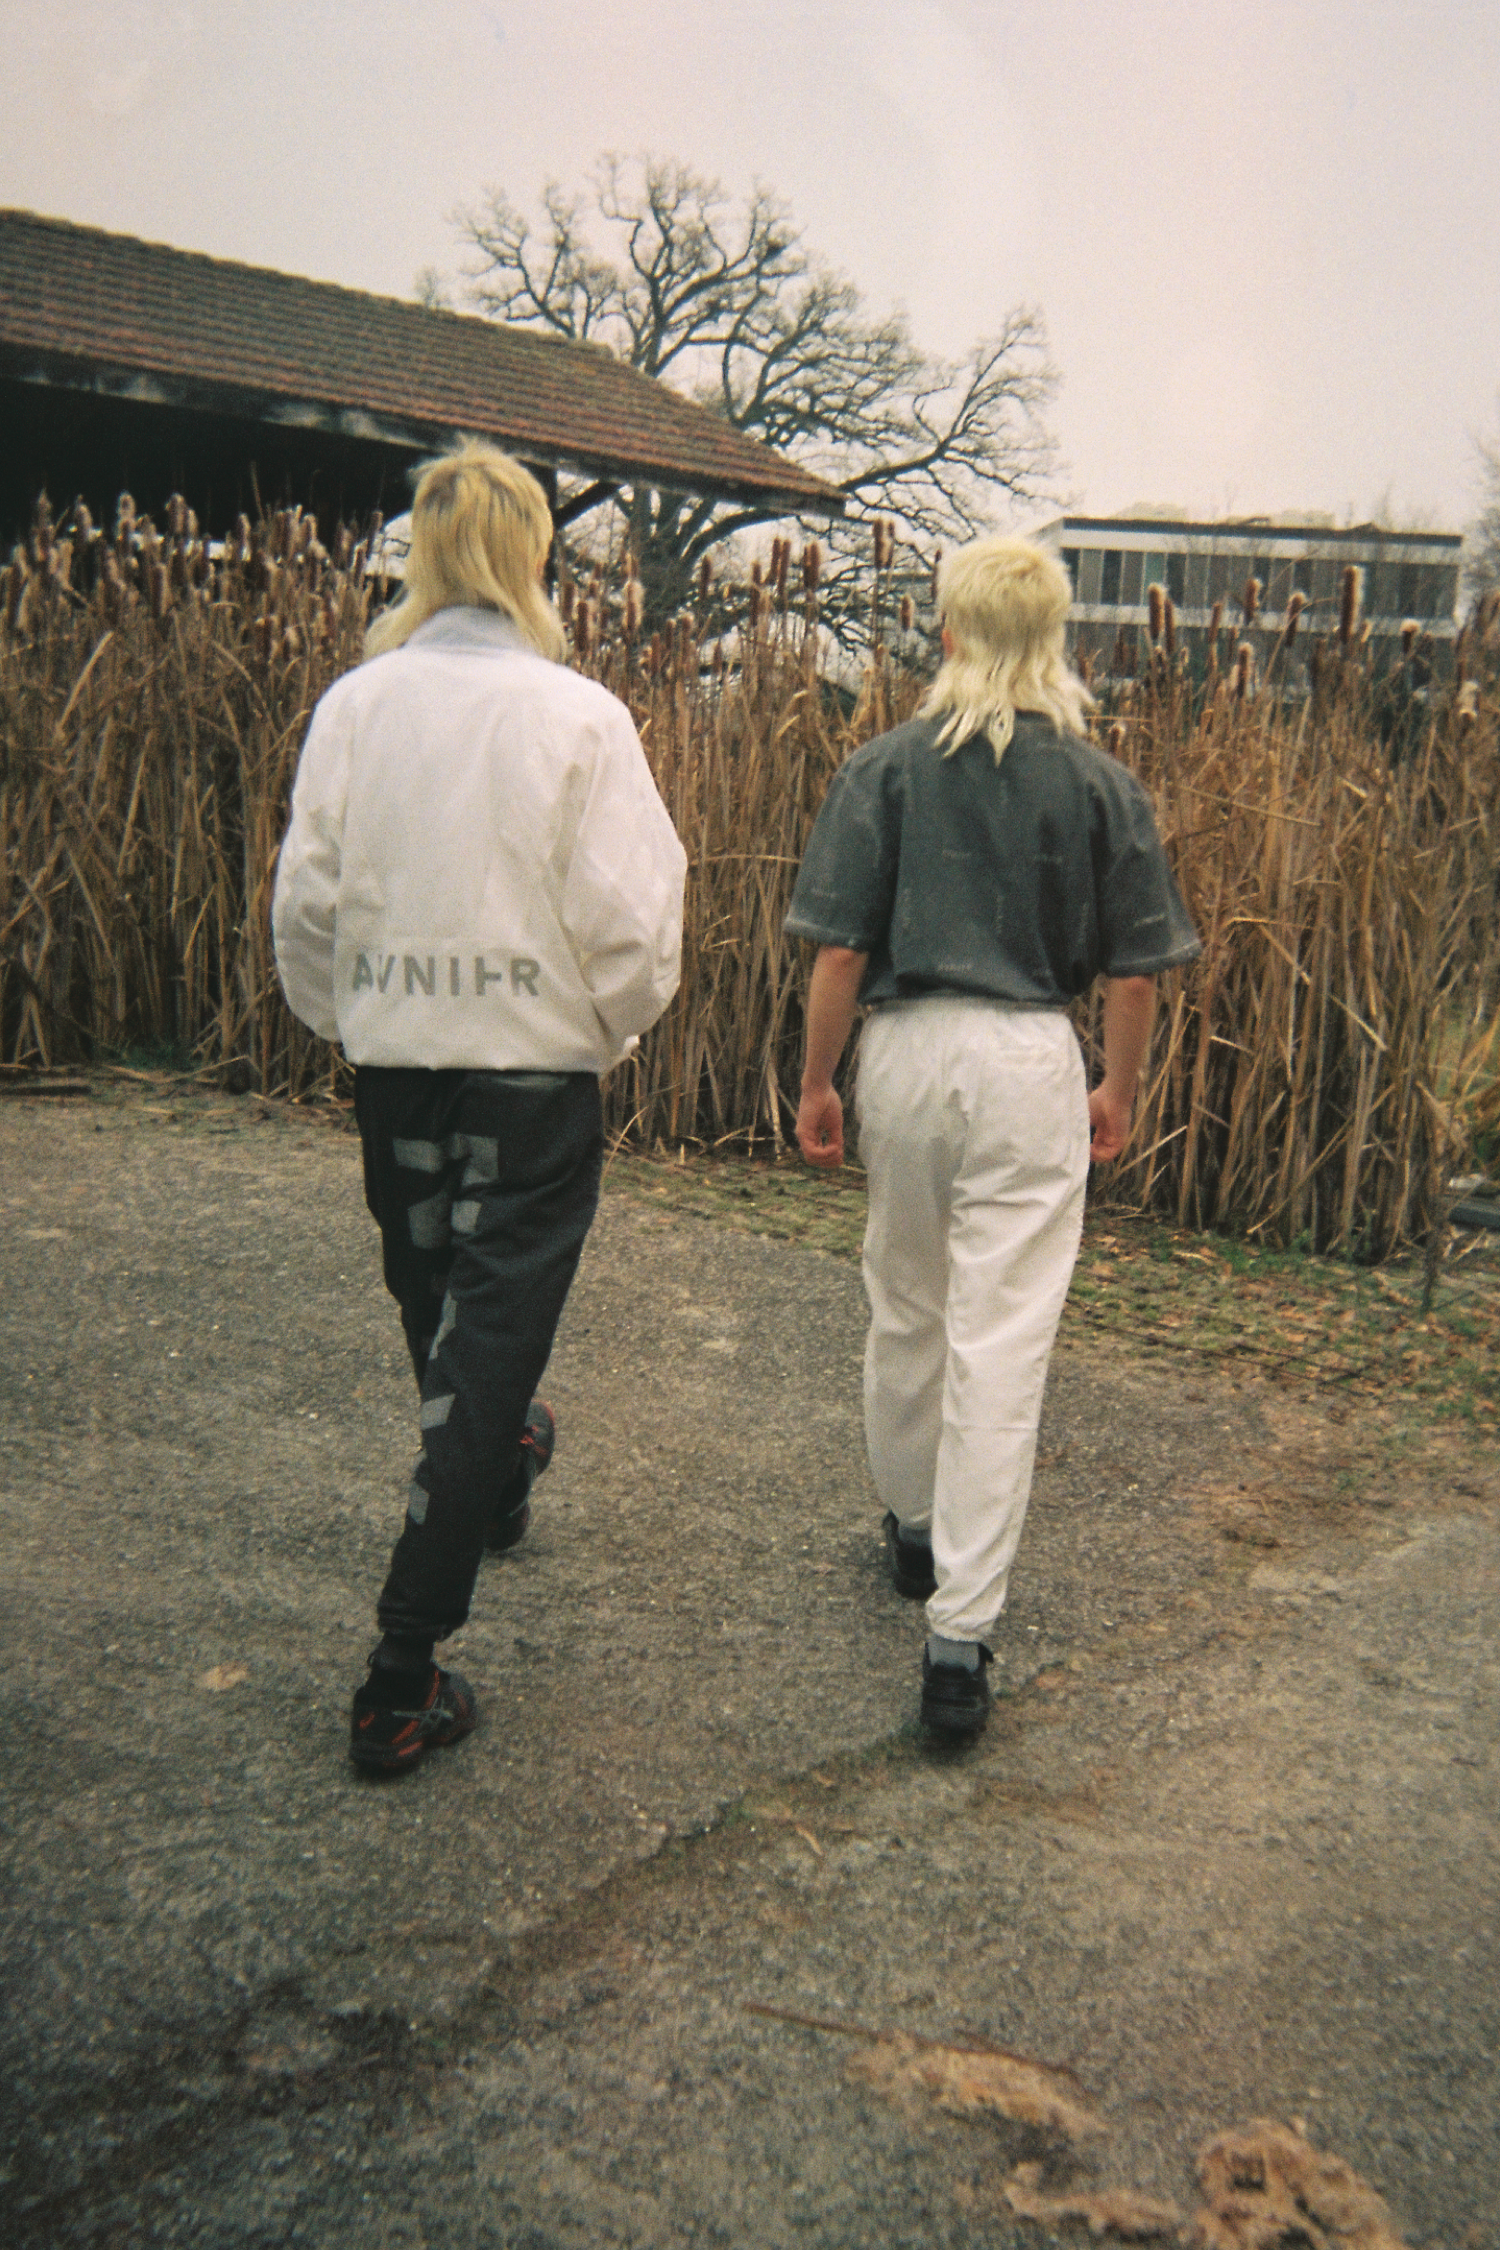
1321,1323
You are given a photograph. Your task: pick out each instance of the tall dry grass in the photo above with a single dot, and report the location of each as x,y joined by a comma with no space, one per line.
1318,1071
1313,1076
153,699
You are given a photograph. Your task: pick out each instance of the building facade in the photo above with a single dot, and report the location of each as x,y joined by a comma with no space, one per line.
1405,577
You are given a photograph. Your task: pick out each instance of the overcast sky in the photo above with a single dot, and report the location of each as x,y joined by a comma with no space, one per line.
1265,239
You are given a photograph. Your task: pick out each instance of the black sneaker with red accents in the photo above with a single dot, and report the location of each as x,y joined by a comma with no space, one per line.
391,1726
513,1511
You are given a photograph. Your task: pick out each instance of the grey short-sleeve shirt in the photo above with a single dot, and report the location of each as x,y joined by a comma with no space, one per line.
1020,882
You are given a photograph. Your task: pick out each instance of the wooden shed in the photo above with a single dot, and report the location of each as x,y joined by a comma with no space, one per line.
130,366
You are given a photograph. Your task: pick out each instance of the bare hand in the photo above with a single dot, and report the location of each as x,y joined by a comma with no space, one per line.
820,1129
1109,1121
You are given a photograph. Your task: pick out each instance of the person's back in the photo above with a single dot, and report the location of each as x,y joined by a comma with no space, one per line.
480,895
500,839
968,875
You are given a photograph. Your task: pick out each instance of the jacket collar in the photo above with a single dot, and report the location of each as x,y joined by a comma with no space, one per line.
480,630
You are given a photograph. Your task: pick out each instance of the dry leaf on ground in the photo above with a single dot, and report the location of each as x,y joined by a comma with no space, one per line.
223,1676
970,2079
1121,2212
1268,2188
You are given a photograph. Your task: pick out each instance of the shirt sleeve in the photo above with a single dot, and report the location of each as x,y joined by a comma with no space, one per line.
1143,924
304,906
846,887
622,898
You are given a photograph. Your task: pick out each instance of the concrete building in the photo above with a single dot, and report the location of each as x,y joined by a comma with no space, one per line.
1114,560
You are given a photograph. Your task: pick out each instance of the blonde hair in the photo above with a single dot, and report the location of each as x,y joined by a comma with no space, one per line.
1005,603
480,532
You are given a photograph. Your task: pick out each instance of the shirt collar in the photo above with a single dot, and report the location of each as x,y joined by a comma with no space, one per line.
459,627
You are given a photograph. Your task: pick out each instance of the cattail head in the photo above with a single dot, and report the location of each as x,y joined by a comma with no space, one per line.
1244,665
885,542
1409,631
1155,598
705,580
177,570
1250,601
1467,703
1116,739
83,524
908,613
15,587
1294,608
176,516
654,655
1348,603
1216,621
812,566
343,547
113,585
567,594
718,660
684,653
158,590
583,627
635,595
124,517
1169,626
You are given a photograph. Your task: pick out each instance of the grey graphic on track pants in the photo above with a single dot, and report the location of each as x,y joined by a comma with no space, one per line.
484,1184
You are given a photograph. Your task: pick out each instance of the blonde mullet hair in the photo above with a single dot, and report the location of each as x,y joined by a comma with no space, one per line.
480,531
1005,602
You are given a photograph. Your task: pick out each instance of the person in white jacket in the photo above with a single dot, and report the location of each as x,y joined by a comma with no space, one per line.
479,895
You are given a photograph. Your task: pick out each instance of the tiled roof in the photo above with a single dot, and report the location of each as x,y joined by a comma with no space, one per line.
79,304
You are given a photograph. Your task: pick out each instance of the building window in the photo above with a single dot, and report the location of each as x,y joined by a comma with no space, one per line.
1197,581
1070,565
1153,573
1220,577
1302,576
1177,580
1088,574
1109,583
1130,578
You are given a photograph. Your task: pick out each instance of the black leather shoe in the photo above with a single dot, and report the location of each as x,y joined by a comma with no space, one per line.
954,1699
912,1573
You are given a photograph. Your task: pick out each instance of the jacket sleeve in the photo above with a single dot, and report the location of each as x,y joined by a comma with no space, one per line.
303,909
622,898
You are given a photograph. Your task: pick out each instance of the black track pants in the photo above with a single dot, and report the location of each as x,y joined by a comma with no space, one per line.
484,1184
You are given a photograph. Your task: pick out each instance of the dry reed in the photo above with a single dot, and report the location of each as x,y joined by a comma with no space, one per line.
1312,1076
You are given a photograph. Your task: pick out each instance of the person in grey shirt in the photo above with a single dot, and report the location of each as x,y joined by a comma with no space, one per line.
968,876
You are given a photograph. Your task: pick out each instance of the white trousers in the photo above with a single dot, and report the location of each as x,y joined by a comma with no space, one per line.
973,1129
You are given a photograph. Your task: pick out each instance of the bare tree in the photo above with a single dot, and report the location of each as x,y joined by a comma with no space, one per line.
728,304
1482,545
